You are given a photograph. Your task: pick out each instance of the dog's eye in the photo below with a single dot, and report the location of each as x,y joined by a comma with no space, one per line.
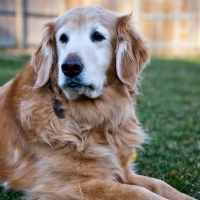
64,38
97,37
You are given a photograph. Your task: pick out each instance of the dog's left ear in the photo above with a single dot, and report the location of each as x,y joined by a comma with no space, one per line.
45,56
132,54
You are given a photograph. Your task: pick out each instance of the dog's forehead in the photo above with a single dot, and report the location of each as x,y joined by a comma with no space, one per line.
83,16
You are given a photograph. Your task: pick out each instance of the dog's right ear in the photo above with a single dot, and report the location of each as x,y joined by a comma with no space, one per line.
132,54
45,56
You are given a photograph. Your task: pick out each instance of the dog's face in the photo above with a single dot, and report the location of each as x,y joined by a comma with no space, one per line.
84,56
82,44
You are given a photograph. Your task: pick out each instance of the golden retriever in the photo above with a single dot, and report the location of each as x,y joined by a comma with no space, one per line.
68,125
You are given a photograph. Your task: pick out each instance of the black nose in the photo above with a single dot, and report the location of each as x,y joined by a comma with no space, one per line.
72,67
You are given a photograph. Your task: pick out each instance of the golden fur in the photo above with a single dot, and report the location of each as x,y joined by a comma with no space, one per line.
85,154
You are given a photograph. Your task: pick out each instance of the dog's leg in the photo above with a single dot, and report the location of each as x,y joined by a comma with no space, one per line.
157,186
93,189
107,190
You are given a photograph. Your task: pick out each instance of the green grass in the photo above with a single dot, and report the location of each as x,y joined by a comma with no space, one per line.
9,195
9,66
169,110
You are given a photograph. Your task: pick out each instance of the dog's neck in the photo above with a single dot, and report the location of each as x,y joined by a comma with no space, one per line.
109,111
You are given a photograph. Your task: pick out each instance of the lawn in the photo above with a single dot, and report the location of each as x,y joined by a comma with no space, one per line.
169,110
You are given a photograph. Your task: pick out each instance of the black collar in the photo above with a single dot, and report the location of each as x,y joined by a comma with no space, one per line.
58,110
57,106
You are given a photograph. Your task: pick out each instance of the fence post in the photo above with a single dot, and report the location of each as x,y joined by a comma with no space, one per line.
62,7
199,25
177,27
19,24
137,12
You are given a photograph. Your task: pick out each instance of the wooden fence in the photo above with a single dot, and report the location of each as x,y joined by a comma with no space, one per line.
21,20
172,27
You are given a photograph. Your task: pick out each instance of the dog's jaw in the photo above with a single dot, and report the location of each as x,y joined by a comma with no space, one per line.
70,94
73,94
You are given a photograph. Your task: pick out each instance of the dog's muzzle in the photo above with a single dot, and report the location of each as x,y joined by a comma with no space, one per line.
75,83
71,68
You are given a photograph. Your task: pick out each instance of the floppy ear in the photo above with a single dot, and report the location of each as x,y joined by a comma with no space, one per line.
132,53
45,56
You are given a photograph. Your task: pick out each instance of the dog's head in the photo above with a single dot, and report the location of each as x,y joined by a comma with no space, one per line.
84,44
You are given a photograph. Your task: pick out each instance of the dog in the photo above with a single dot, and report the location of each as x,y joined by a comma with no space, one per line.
68,123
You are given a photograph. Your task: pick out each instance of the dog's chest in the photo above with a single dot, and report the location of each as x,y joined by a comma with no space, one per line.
97,161
76,148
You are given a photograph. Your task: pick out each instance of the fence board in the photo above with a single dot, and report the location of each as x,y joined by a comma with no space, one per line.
7,36
170,26
7,5
7,14
198,26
